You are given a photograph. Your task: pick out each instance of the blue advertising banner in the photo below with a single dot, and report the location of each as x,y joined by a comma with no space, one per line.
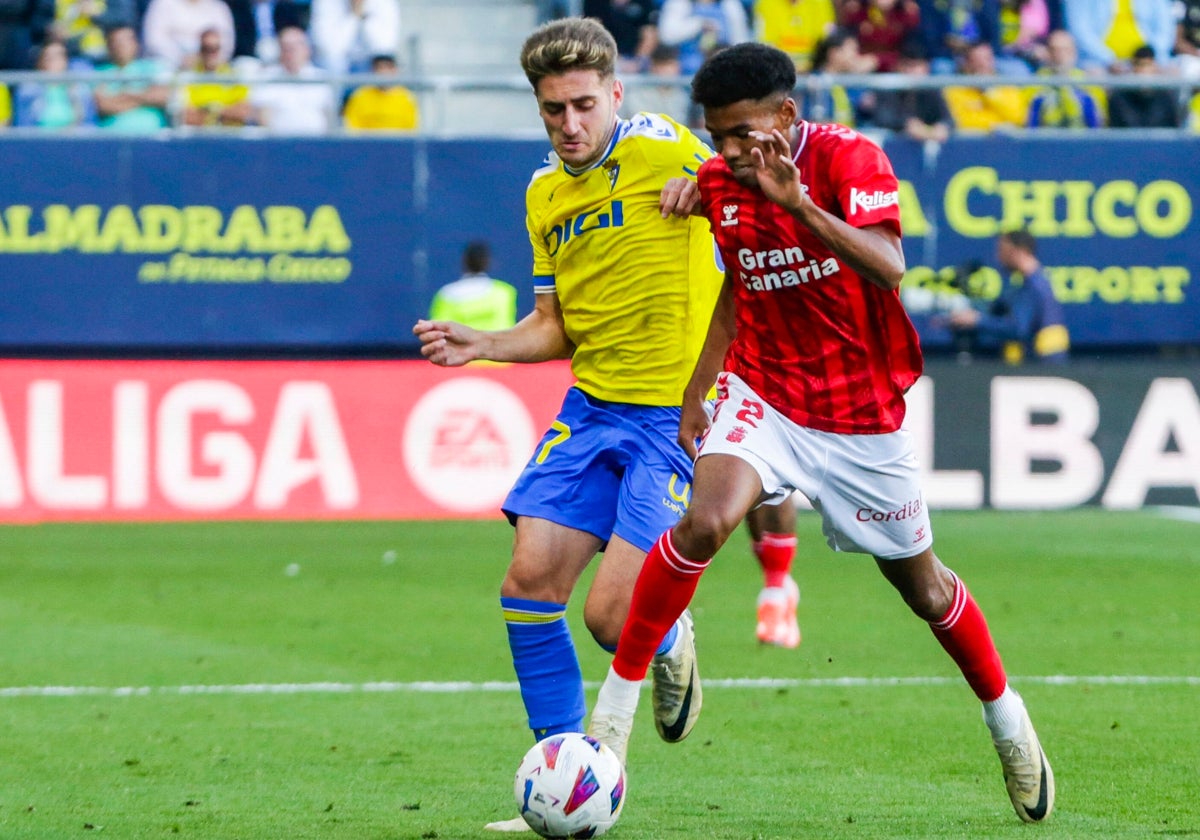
223,244
1114,219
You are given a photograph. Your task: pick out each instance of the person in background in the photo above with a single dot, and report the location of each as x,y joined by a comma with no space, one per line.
80,25
213,104
1065,106
1143,107
347,34
950,27
288,107
794,26
258,24
920,113
1187,37
1026,321
984,108
881,26
383,107
476,299
135,107
1107,32
56,105
172,28
701,27
634,26
836,55
772,531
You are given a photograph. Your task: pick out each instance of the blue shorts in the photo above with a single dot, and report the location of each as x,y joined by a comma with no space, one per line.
607,468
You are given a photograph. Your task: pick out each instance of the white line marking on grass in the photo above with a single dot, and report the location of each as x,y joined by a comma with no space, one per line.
426,687
1179,512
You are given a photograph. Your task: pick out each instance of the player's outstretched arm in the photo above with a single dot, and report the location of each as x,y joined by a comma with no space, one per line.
693,420
537,337
874,251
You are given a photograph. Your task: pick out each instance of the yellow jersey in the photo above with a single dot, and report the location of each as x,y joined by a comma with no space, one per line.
637,291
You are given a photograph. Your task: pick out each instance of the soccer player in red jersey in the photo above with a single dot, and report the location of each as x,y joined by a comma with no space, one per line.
812,354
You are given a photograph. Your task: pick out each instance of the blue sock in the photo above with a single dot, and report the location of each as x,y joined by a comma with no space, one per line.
663,647
546,665
669,639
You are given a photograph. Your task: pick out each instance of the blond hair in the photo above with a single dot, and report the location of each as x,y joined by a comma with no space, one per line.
567,44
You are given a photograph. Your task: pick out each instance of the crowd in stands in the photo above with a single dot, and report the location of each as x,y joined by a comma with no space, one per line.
268,62
205,64
1060,55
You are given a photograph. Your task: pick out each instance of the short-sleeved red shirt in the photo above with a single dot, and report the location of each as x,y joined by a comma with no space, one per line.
825,347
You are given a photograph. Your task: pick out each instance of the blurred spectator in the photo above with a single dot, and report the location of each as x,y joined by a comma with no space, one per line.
1108,31
950,26
258,22
213,103
80,24
984,108
1065,106
881,26
290,106
389,106
548,10
54,105
1143,107
794,26
1026,320
837,54
1024,27
172,30
634,26
1187,37
920,113
672,100
347,34
134,107
701,27
16,41
476,299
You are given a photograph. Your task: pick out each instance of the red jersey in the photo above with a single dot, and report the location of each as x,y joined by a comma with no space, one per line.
827,348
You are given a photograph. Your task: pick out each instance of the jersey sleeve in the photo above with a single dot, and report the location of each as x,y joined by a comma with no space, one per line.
674,151
865,185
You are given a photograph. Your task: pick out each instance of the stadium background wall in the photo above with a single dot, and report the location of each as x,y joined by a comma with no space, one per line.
223,246
93,439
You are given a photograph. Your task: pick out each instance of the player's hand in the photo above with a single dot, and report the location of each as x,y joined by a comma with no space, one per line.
778,177
693,425
680,197
446,343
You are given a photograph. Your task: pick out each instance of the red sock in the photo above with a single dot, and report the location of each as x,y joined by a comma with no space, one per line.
964,634
775,553
663,590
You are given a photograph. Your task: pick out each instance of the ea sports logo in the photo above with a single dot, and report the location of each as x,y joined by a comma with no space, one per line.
466,442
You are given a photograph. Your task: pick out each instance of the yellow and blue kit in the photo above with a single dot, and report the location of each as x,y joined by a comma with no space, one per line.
637,292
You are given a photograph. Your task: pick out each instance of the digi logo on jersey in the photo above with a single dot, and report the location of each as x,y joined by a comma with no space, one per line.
610,216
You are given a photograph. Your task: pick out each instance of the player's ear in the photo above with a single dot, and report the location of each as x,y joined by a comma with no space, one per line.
788,112
618,92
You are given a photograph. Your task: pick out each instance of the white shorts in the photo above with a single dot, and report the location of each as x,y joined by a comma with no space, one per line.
866,487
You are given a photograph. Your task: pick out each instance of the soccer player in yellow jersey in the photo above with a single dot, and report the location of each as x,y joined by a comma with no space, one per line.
625,287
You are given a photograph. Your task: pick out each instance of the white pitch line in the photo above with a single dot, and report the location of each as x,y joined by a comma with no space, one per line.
428,687
1178,512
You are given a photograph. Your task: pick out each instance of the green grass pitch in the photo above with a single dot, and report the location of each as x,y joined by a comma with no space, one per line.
207,692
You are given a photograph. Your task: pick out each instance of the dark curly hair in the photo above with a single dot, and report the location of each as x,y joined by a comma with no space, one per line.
744,71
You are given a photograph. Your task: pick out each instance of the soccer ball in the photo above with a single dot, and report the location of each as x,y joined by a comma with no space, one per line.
570,785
